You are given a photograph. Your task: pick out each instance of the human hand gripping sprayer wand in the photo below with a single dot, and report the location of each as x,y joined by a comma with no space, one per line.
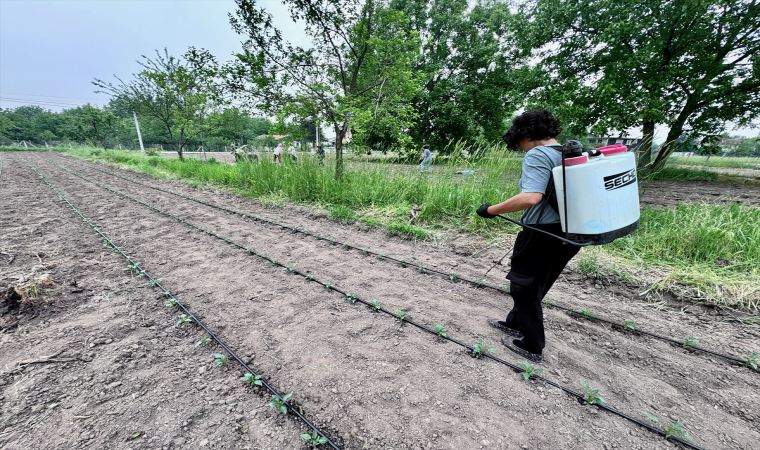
602,185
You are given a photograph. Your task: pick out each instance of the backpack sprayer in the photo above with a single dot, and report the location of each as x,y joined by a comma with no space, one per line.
604,193
603,186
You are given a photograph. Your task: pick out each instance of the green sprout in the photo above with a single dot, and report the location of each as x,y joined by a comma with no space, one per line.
249,249
314,438
440,330
346,245
479,281
381,255
204,342
676,429
529,370
153,282
309,277
590,396
375,303
135,267
453,276
220,360
184,319
481,348
167,294
351,298
171,302
689,341
291,267
329,285
584,312
630,325
279,403
401,316
752,361
505,287
403,262
253,380
423,269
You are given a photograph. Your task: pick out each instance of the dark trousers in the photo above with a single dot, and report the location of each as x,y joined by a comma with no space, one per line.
537,261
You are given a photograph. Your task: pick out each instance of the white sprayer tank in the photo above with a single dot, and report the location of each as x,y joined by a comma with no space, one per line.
602,195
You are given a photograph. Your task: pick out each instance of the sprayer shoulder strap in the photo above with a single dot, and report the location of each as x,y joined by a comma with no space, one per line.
551,193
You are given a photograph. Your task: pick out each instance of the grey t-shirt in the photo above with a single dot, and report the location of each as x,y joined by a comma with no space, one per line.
536,172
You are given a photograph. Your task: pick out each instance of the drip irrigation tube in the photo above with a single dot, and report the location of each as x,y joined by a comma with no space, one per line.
452,276
353,298
155,282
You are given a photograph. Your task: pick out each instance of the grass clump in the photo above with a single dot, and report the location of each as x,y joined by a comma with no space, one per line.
343,214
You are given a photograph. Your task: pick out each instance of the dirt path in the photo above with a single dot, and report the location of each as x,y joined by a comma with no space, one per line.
363,378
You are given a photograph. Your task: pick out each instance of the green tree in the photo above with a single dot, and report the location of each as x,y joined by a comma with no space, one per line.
94,125
466,67
184,96
691,65
361,61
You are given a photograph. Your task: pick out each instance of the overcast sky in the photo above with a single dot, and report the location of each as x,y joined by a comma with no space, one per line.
51,50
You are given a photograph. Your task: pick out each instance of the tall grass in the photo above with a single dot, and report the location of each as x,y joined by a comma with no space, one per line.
715,161
444,195
725,236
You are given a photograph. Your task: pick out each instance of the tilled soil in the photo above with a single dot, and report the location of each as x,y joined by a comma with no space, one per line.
129,377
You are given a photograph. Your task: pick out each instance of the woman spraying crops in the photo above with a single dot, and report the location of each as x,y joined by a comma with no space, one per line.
537,259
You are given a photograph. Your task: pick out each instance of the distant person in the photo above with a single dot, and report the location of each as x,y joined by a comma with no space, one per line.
426,159
321,154
278,153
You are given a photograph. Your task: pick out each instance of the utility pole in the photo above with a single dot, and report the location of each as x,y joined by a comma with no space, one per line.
139,136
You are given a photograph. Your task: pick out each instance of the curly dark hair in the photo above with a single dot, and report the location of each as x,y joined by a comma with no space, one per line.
537,124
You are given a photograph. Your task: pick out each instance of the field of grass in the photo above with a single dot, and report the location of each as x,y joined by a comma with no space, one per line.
709,252
715,161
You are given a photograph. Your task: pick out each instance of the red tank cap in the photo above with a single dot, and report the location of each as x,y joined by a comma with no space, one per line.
613,149
575,161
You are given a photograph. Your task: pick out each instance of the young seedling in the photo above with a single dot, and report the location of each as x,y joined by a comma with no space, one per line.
381,255
364,250
630,325
220,360
291,267
253,380
479,281
401,316
346,245
505,287
329,285
171,302
375,304
689,341
184,319
590,396
279,403
752,361
481,348
423,269
249,250
204,342
440,330
309,277
314,438
585,313
529,370
134,267
351,298
676,429
153,282
403,262
453,276
167,294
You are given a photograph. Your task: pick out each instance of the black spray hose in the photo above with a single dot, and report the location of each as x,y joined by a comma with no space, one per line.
375,307
155,282
403,262
524,225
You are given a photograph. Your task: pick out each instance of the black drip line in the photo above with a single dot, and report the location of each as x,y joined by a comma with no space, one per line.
155,282
452,276
353,298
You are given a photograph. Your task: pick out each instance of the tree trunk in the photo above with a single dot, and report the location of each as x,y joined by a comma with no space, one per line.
644,150
180,145
340,133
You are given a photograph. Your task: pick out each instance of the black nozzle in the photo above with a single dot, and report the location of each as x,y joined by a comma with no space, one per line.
572,149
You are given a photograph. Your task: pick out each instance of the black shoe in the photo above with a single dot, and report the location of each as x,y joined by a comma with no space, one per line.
496,323
512,345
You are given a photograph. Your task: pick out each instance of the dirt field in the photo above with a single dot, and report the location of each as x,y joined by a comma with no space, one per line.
102,364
